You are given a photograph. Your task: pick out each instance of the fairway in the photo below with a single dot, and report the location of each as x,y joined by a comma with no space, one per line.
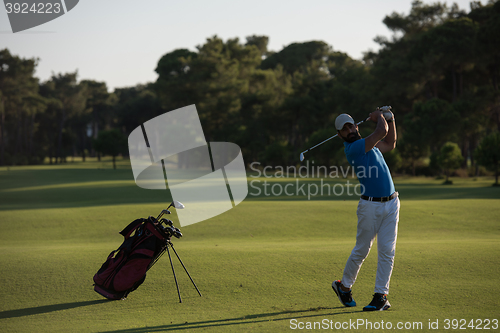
264,266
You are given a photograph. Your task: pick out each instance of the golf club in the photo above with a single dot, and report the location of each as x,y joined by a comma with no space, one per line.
319,144
175,204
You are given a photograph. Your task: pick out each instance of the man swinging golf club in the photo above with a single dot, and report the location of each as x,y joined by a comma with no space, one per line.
378,208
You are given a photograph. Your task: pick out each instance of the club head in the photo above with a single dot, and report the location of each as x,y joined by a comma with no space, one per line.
301,157
177,204
167,222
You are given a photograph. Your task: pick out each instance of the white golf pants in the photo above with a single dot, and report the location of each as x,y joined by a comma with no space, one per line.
375,219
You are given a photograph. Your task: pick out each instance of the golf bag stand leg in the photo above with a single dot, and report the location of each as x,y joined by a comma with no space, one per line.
185,269
173,271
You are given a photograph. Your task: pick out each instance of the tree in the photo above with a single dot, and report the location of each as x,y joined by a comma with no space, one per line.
412,151
488,52
20,103
68,99
351,87
136,105
297,56
421,18
450,158
174,85
111,142
404,68
308,104
488,153
221,72
98,111
260,106
217,79
433,123
440,71
260,42
304,110
444,53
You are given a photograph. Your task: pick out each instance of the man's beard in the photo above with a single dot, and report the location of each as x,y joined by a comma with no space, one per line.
351,137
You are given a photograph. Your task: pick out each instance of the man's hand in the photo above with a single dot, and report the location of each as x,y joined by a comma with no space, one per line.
380,131
388,115
389,142
375,115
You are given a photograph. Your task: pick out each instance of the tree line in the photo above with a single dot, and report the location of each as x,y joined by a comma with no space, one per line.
439,70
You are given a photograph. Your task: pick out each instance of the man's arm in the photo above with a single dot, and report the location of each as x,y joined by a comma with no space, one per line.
380,131
389,142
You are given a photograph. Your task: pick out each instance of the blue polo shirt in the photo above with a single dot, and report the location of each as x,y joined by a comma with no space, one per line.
371,169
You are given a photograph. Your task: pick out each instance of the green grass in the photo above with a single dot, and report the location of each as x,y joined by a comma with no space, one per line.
258,266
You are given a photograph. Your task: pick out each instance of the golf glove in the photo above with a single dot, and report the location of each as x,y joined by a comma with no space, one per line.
388,115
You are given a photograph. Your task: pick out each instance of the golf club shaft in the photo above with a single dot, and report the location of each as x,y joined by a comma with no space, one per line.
319,144
161,214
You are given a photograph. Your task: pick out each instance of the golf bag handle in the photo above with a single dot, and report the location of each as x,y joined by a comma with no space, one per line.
127,231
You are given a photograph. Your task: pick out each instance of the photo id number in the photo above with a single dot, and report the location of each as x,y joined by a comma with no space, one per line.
36,8
478,324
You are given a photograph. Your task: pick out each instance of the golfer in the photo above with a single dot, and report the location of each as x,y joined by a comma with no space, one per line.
378,208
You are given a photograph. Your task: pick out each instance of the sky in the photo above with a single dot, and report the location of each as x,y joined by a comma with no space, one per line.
120,41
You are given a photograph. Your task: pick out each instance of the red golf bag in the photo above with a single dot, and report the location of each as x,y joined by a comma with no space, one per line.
125,269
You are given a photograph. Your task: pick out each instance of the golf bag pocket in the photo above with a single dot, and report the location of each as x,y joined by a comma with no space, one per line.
108,268
133,271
